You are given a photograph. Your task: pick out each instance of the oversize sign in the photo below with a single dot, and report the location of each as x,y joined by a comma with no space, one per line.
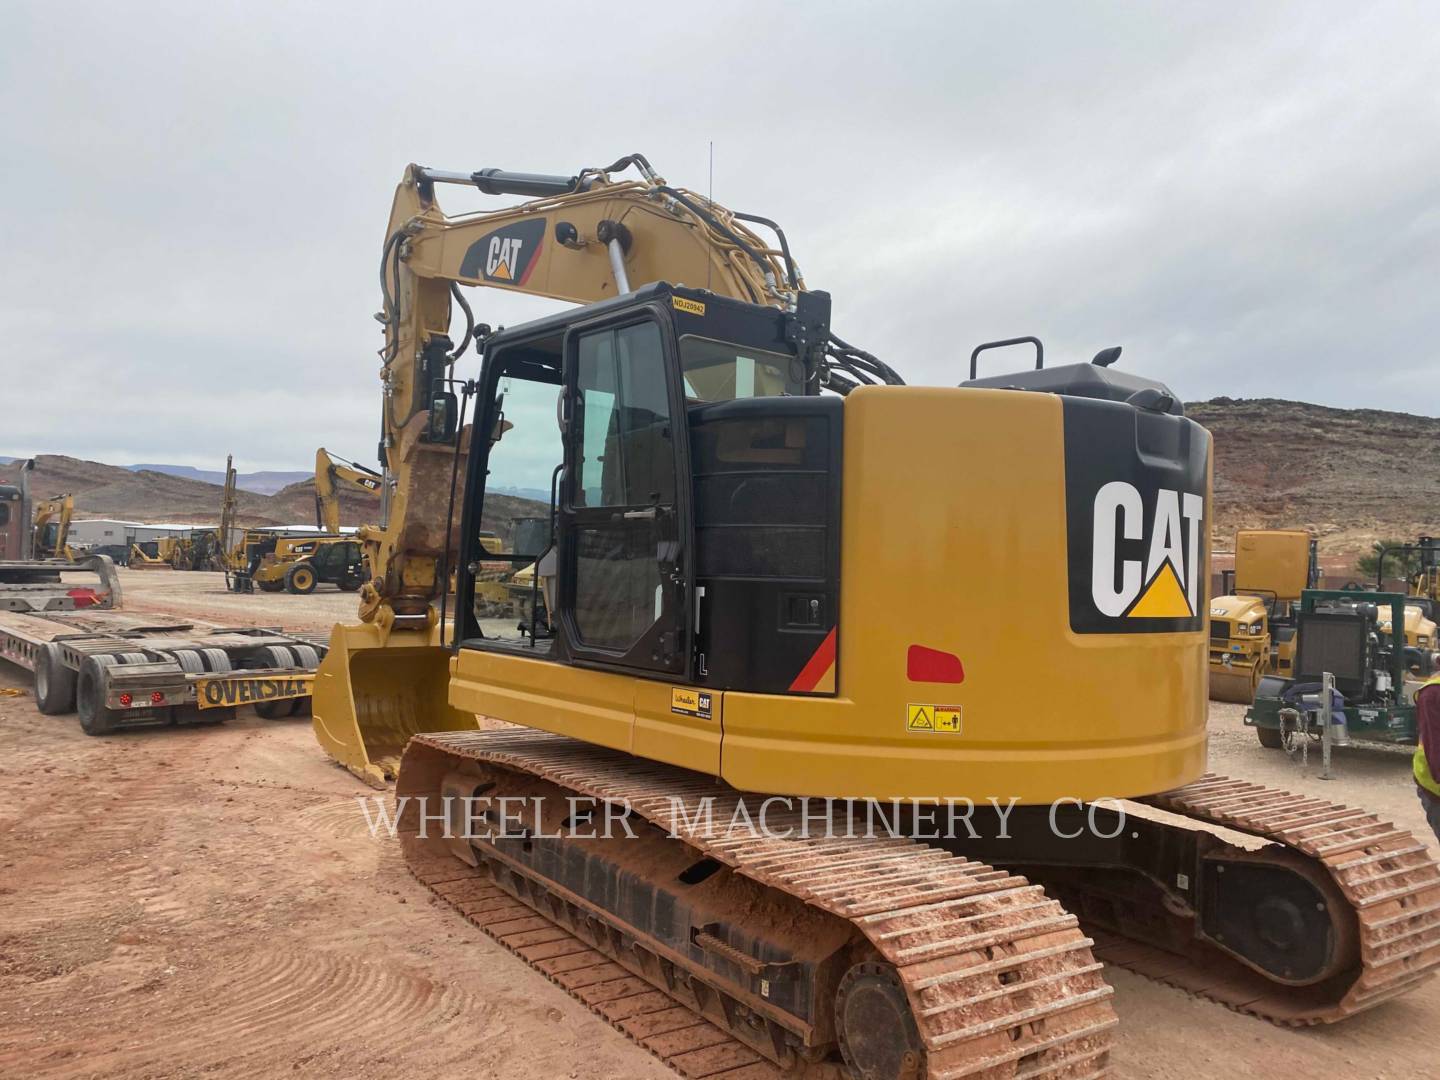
227,690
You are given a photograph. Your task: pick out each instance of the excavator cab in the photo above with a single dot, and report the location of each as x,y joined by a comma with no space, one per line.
587,415
590,419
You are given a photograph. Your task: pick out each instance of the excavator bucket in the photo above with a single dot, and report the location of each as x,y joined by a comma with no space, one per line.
371,695
1234,683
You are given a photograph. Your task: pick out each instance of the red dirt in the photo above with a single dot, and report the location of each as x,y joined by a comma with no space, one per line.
208,902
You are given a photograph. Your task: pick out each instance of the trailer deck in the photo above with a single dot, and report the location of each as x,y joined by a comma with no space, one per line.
119,669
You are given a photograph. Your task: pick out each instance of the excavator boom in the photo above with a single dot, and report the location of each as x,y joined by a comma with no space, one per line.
331,475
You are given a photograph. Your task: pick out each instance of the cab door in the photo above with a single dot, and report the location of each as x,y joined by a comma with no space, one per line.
624,587
625,526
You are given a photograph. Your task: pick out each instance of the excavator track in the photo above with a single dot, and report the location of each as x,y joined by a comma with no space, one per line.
933,965
1383,873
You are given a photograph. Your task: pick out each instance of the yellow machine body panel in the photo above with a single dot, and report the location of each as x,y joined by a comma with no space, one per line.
1419,630
954,541
1272,561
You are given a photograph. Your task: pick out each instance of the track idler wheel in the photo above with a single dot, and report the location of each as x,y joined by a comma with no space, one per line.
877,1031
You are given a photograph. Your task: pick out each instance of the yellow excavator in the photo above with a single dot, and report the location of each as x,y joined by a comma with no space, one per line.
733,497
332,474
52,528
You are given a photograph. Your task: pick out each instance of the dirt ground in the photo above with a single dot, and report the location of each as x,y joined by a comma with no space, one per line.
208,902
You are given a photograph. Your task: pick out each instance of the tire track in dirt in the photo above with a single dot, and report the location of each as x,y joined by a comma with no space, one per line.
272,1007
345,819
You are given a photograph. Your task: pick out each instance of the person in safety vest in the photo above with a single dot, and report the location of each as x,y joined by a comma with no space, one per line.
1427,754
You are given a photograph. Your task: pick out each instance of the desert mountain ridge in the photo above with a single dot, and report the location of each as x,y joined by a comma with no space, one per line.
262,482
1349,476
146,495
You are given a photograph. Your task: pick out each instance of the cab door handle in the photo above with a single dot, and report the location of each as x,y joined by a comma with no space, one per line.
640,515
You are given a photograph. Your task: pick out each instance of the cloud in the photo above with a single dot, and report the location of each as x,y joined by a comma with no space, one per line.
196,196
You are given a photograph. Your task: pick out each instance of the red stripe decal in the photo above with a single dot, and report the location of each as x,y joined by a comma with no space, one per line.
815,668
533,262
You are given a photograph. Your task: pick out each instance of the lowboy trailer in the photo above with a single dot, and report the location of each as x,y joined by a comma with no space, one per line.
120,669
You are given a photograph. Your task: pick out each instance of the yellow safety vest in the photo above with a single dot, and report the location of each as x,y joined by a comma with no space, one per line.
1423,776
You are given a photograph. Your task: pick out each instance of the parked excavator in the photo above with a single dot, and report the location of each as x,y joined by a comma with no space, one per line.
52,528
735,495
332,474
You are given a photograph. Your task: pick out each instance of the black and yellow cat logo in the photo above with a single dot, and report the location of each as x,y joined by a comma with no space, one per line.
507,256
1137,520
1163,584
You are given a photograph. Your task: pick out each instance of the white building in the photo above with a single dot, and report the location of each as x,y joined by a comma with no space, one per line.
104,532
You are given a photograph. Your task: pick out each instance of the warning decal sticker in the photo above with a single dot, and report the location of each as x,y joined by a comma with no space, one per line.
934,719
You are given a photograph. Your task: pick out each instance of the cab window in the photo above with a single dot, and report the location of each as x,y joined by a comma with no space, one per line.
724,371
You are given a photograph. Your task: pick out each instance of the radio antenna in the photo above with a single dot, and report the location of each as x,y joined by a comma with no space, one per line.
710,262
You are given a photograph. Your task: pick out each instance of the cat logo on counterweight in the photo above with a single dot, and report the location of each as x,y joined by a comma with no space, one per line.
1137,521
1165,583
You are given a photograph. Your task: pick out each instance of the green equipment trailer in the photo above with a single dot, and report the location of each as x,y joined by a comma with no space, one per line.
1375,672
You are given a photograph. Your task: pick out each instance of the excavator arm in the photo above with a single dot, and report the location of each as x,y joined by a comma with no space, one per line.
331,474
581,238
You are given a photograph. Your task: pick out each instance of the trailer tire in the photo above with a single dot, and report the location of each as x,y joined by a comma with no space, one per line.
95,717
193,715
301,579
216,659
275,710
54,682
189,661
280,656
1270,738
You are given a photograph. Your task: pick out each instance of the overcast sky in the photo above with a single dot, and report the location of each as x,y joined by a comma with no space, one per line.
1246,197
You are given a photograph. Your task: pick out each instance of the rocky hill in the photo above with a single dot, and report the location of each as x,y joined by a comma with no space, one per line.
112,491
263,483
144,495
1351,476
